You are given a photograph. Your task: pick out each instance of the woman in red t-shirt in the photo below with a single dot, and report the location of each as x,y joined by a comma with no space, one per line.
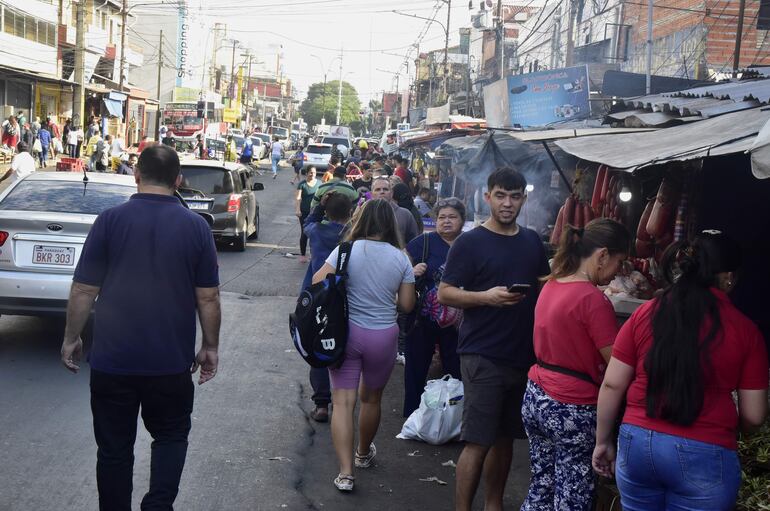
575,327
677,361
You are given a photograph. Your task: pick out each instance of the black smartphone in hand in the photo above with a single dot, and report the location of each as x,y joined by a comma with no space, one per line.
519,288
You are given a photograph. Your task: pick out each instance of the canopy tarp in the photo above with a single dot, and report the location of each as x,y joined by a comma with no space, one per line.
114,107
475,157
726,134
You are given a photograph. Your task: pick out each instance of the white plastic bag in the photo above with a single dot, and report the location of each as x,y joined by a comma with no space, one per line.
439,417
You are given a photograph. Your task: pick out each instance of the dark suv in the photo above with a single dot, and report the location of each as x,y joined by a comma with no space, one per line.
224,194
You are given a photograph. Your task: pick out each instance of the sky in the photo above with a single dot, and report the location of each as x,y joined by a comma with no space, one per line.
311,32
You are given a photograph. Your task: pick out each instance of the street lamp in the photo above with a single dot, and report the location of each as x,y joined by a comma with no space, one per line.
446,38
325,72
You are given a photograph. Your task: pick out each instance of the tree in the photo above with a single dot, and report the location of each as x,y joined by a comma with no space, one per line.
313,109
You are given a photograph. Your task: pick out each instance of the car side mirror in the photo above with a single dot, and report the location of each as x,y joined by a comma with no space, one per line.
257,187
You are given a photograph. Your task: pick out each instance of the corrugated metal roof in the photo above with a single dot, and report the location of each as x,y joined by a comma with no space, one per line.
726,134
705,101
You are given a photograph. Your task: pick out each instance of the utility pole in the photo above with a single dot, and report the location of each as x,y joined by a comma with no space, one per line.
446,49
231,92
648,77
264,101
323,104
570,57
738,35
339,92
501,37
157,93
398,97
78,99
124,18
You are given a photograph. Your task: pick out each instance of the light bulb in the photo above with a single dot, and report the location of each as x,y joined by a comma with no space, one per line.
625,194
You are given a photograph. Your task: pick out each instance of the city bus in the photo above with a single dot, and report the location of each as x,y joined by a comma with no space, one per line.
181,118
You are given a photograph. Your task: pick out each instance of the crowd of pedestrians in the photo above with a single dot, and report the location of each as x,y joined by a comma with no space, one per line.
535,342
537,346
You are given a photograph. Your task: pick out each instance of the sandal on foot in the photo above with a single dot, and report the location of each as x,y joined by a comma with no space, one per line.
365,460
344,482
319,414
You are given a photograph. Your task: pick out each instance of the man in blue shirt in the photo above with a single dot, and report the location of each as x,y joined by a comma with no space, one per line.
151,262
324,228
495,339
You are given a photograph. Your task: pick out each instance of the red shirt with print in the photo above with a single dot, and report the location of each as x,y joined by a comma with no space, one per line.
573,321
738,360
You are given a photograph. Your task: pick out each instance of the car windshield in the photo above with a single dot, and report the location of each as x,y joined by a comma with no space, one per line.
336,141
256,141
265,138
66,197
209,180
318,149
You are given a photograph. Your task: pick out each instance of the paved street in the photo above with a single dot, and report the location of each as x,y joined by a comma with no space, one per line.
252,445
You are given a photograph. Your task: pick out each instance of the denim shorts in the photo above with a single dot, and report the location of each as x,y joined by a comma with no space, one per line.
660,471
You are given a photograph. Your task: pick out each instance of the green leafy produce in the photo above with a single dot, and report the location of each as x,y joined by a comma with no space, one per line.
754,452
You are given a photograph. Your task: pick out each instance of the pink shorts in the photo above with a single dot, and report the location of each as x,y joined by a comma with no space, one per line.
371,353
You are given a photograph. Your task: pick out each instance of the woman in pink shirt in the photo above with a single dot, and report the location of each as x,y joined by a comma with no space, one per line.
575,327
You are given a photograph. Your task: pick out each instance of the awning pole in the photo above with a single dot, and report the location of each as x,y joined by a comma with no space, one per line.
556,164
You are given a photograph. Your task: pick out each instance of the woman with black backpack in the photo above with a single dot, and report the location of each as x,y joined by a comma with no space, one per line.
380,280
432,324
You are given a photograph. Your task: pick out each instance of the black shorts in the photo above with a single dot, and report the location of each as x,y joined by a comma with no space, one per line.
492,402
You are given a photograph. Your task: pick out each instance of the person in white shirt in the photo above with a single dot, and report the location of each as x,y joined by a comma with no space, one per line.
22,165
118,148
74,137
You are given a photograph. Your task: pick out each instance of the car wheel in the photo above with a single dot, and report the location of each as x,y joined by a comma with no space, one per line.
255,234
239,243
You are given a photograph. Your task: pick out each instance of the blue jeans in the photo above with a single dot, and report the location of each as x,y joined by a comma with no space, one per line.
656,471
275,160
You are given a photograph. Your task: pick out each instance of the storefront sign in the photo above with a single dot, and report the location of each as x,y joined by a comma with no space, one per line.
546,97
231,115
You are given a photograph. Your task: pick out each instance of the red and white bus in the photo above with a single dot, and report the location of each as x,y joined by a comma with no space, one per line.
181,118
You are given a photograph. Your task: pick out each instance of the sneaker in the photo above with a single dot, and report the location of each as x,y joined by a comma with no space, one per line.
344,482
319,414
400,359
365,460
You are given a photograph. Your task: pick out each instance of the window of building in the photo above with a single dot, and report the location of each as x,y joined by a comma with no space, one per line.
763,16
29,27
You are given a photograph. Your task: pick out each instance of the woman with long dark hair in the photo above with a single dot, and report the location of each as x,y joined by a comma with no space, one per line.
677,361
380,280
575,327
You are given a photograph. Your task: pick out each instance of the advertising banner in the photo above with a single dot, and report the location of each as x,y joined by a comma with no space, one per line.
546,97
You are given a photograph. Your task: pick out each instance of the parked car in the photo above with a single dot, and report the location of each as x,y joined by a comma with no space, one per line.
225,192
343,144
44,221
236,132
317,155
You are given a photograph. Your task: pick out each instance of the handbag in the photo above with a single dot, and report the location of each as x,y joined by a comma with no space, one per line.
37,147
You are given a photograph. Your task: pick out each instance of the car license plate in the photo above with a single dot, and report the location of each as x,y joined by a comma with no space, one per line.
198,205
48,254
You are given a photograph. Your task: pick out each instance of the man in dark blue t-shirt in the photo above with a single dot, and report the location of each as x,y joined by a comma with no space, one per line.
495,340
151,262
